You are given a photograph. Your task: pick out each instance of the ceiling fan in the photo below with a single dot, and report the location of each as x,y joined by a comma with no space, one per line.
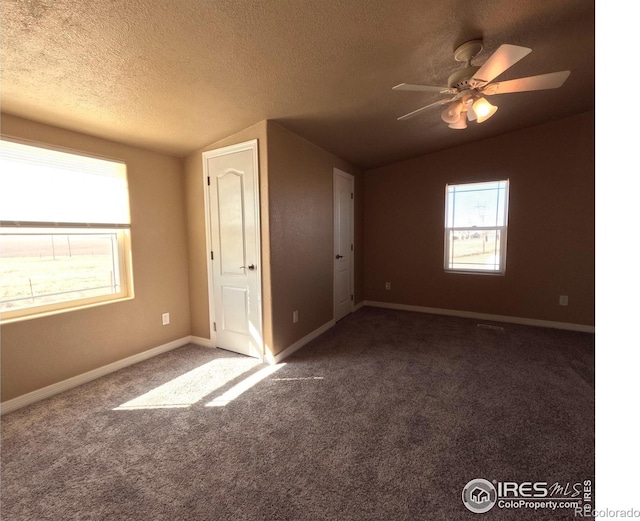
470,85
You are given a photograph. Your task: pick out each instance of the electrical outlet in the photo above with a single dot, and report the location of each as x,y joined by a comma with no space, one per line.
564,300
165,319
387,285
295,316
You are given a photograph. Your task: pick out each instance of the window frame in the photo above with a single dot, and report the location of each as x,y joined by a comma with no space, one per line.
501,230
123,256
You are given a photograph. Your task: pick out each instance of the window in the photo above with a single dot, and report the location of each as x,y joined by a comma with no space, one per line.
475,238
64,231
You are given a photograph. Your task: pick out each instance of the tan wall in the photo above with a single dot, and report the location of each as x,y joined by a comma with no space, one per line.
296,194
196,218
301,222
43,351
551,237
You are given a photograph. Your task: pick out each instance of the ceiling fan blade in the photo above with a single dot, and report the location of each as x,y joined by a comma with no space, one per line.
552,80
506,56
420,110
420,88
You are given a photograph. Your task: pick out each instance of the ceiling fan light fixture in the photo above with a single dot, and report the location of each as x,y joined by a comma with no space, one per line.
471,115
451,114
461,123
483,109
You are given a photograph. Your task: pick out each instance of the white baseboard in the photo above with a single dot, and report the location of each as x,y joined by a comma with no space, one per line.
70,383
271,359
484,316
358,306
205,342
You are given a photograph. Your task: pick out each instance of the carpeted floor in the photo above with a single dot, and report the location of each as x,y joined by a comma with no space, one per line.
384,417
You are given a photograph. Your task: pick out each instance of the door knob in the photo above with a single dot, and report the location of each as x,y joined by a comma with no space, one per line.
250,266
339,256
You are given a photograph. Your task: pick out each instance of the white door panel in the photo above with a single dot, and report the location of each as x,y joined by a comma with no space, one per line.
234,304
230,222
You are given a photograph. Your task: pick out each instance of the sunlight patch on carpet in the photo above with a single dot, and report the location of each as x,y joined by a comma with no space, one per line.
191,387
298,378
244,386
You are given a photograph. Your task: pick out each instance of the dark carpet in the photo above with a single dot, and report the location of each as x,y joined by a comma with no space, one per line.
384,417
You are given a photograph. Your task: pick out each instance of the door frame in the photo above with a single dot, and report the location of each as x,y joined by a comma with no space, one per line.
340,173
239,147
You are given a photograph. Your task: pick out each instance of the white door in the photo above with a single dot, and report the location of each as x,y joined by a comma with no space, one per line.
231,182
342,244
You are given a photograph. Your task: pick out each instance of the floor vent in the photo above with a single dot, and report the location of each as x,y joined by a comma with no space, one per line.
489,326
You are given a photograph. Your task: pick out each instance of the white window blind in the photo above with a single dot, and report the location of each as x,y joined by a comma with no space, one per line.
39,185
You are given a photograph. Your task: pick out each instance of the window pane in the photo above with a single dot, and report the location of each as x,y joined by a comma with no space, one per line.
473,250
41,269
476,204
476,217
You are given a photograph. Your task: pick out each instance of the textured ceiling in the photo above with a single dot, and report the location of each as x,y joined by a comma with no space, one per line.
176,75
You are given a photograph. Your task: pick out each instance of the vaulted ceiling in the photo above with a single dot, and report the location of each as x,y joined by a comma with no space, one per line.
177,75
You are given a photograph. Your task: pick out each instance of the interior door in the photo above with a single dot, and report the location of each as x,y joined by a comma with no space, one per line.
233,199
342,244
